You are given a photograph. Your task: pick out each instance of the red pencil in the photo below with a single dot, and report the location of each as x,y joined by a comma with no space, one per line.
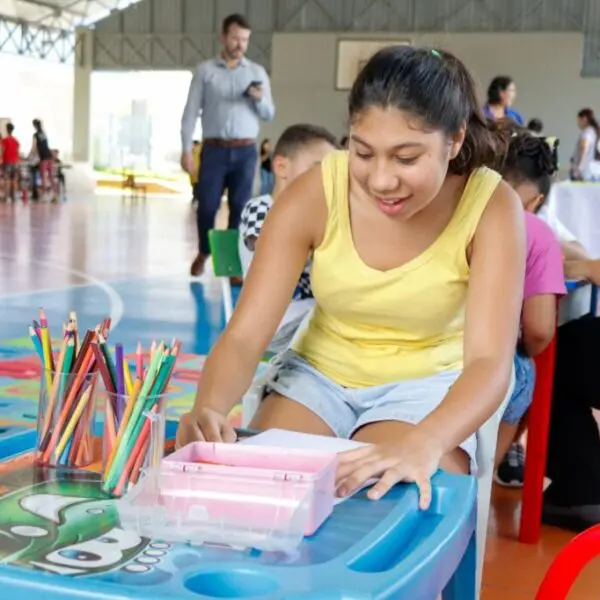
139,361
139,448
103,368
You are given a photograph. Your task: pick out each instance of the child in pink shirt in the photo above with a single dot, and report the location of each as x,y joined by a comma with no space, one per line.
529,167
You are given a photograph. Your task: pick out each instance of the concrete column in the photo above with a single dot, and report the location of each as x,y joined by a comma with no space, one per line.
82,95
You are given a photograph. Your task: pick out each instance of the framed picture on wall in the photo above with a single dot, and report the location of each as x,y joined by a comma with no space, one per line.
352,55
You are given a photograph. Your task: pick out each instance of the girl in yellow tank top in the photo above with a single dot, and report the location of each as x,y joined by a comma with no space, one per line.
418,263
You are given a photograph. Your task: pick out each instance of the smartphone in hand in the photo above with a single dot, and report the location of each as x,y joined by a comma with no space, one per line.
256,84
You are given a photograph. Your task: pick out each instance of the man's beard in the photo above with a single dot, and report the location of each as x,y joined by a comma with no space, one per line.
235,53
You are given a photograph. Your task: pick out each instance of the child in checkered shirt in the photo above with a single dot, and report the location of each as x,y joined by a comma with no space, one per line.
298,149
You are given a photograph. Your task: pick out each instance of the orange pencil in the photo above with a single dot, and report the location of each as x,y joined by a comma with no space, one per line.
109,424
81,443
138,449
139,463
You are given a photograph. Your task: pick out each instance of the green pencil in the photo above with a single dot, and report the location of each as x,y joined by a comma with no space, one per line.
124,447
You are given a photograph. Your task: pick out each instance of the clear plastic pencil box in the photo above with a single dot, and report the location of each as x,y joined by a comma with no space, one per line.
234,494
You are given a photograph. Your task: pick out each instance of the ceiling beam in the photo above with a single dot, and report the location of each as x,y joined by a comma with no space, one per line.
55,8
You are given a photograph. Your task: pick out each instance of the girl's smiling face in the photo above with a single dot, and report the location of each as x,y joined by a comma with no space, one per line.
400,166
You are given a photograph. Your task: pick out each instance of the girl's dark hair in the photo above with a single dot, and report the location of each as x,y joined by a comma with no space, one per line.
531,158
37,124
590,117
497,86
434,87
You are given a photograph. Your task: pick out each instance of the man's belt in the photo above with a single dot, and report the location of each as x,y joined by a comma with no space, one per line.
229,143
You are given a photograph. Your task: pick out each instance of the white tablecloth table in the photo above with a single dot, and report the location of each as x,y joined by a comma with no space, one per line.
577,206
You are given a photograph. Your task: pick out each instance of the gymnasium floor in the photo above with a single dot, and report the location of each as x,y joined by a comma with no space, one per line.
105,256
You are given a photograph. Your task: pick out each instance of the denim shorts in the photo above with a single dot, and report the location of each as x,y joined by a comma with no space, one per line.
522,395
346,410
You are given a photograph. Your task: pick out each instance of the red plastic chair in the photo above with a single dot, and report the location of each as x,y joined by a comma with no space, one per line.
537,447
530,529
569,563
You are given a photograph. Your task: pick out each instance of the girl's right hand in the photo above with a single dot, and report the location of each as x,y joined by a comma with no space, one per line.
204,425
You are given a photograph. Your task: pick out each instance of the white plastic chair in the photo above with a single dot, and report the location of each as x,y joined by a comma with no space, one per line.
487,438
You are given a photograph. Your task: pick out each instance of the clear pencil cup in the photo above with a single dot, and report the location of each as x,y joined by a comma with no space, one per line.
133,439
66,419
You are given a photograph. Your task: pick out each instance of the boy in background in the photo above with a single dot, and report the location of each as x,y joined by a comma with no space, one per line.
9,155
299,148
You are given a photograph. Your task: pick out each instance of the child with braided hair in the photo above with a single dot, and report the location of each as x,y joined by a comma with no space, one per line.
528,168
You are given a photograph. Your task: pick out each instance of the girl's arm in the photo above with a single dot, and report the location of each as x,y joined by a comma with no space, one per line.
494,303
574,251
538,322
34,149
285,242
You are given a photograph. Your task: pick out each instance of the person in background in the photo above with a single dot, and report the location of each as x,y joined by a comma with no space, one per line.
418,260
233,94
40,150
299,148
500,97
60,175
585,162
10,158
266,168
196,152
535,126
529,166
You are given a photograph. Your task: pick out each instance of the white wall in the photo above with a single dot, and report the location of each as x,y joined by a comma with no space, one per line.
545,67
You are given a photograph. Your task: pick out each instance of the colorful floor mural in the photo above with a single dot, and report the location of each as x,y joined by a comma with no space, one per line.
19,384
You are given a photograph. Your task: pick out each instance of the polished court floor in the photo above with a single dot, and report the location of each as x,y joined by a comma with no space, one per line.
105,256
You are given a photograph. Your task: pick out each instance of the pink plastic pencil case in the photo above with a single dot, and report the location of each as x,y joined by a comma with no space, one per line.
265,485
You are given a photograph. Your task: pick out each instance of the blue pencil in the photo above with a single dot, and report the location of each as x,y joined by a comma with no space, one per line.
37,343
64,459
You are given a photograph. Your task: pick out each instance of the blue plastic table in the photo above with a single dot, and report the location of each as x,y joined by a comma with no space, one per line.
62,540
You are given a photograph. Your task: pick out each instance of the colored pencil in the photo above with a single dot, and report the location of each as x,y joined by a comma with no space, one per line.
73,421
73,320
66,414
36,343
129,451
128,380
137,386
139,362
120,380
69,405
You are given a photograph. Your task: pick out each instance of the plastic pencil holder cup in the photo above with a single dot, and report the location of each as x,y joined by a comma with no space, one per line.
133,439
66,419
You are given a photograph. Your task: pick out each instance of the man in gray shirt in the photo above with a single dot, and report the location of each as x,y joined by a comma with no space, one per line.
233,94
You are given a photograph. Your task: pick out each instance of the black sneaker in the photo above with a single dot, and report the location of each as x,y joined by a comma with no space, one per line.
511,471
573,518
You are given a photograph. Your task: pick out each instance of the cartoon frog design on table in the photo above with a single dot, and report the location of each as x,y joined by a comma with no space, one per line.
71,527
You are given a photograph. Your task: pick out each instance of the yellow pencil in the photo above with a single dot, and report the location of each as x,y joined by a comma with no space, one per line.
127,376
73,422
47,354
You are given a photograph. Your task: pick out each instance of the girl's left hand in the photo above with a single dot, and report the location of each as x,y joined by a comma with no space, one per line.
413,459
